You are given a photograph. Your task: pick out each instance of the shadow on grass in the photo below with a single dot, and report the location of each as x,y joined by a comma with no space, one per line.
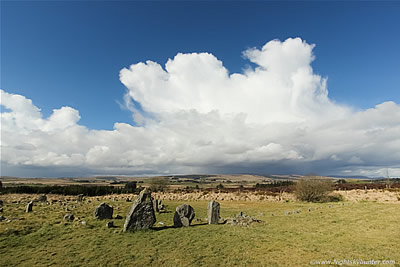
172,227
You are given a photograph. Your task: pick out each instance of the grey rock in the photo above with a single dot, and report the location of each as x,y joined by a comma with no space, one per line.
1,202
141,214
160,206
69,217
118,217
110,224
42,198
183,216
29,207
79,198
310,209
243,220
1,209
83,222
2,218
103,211
213,212
155,204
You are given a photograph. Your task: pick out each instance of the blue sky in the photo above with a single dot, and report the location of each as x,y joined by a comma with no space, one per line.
70,54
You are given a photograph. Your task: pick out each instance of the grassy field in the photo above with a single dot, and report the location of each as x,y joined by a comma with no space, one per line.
360,231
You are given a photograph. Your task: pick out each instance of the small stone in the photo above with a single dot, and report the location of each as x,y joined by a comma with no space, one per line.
183,216
69,217
243,220
103,211
110,224
310,209
29,207
2,218
83,222
118,217
1,209
287,213
161,223
1,202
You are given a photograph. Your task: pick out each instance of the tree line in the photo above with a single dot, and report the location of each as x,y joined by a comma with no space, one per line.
87,190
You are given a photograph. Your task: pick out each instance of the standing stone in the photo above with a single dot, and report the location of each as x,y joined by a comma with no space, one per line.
213,212
156,203
103,211
141,214
29,206
160,206
183,216
79,198
42,198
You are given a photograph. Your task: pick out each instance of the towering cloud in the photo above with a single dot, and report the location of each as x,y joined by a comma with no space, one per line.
197,117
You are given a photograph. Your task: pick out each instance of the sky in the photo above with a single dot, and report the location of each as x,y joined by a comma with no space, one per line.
155,88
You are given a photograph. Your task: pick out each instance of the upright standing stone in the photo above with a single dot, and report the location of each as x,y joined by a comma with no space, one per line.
183,216
213,212
79,198
29,206
42,198
155,204
141,214
103,211
161,206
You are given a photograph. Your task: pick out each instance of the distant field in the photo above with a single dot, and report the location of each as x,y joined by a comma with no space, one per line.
353,231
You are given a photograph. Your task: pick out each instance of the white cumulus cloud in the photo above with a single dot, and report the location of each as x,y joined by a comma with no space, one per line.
195,116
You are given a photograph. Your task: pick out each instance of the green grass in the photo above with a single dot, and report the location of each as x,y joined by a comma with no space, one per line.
354,231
